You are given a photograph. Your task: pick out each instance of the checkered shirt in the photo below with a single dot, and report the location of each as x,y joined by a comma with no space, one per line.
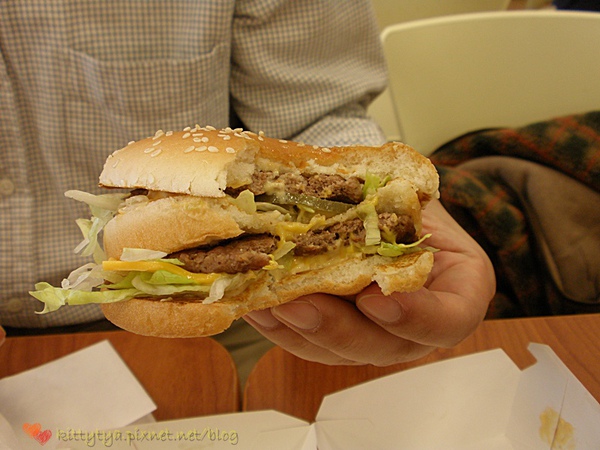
79,79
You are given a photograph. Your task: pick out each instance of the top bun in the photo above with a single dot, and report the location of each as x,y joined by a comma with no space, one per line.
205,161
197,161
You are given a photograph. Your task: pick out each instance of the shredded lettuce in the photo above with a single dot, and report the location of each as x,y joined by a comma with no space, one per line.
160,277
143,283
283,249
160,283
90,228
372,183
217,290
98,203
368,213
103,207
53,297
85,278
392,250
245,201
163,277
140,254
123,283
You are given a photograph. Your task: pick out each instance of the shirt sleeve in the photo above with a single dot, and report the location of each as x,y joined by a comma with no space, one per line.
307,70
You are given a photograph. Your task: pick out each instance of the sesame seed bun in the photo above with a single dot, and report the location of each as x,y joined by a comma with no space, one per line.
200,162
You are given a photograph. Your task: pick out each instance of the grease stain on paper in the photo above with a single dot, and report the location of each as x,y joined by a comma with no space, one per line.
556,431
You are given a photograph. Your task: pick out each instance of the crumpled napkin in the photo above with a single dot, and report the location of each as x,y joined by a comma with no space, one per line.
91,389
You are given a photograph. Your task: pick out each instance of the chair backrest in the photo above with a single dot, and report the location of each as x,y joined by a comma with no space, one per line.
390,12
456,74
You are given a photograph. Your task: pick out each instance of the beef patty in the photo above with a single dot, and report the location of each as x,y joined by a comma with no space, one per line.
329,187
252,252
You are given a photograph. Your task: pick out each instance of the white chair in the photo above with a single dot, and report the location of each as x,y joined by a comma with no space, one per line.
390,12
456,74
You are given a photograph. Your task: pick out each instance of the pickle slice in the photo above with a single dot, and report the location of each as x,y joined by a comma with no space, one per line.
320,205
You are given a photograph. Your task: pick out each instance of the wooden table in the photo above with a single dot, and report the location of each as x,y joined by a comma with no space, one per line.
184,377
288,384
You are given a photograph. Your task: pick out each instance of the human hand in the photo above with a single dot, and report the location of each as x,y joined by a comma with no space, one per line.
380,330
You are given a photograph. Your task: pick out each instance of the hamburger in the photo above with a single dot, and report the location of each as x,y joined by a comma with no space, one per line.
203,225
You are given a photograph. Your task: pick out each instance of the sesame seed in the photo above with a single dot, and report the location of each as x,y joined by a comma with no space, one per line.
156,152
326,150
238,130
226,138
198,134
169,133
196,139
208,127
213,149
158,134
230,150
204,139
116,163
187,129
156,143
131,142
186,135
201,148
148,150
260,138
189,149
261,133
283,141
316,147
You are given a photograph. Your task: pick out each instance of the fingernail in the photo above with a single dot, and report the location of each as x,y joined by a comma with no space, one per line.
384,309
302,315
264,318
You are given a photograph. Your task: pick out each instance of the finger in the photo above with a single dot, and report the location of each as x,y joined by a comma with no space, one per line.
284,336
417,316
345,331
430,317
446,232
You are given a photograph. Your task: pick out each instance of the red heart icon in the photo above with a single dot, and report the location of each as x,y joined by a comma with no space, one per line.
43,436
32,429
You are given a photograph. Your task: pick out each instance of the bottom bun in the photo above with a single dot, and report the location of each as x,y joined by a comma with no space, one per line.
185,318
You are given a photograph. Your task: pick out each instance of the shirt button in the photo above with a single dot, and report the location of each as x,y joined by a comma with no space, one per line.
7,187
14,305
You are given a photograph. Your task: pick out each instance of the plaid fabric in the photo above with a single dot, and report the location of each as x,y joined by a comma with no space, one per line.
495,216
79,79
